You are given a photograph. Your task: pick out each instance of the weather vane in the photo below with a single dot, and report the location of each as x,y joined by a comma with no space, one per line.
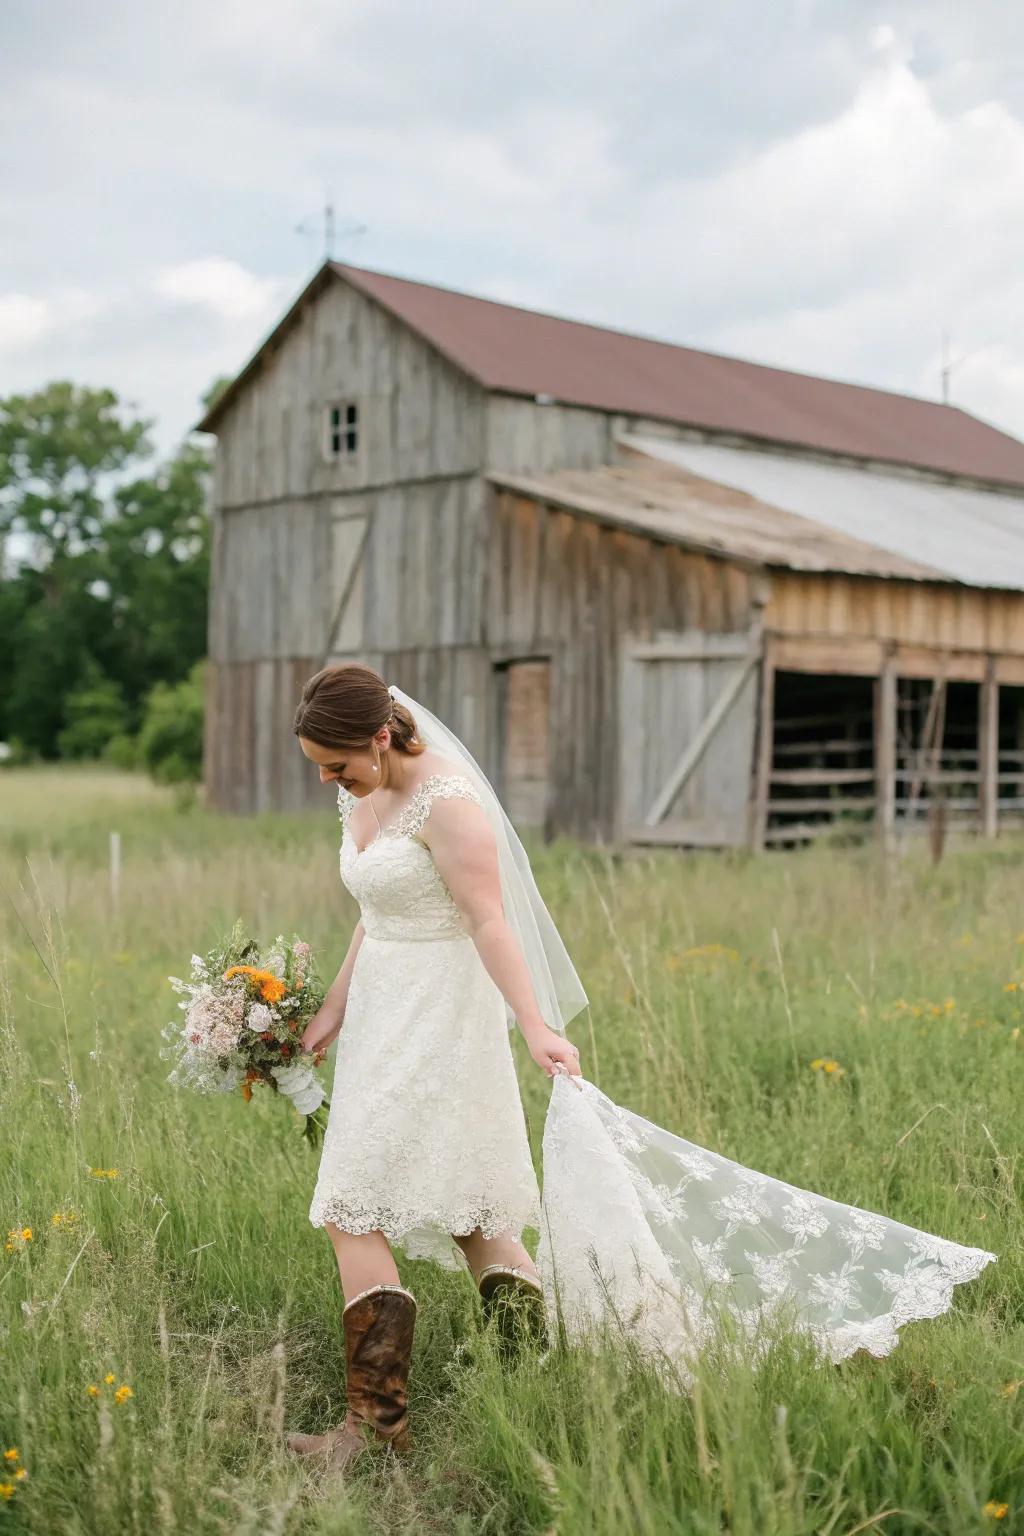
328,228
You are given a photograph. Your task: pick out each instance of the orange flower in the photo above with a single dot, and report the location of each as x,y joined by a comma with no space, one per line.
271,988
247,1091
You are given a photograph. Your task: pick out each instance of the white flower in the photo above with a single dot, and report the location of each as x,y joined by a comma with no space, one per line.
803,1219
261,1017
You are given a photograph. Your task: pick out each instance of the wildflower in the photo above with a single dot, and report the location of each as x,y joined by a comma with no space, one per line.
827,1065
64,1218
21,1472
246,1091
123,1393
92,1389
12,1454
17,1237
270,987
6,1490
110,1378
1010,986
1015,1032
995,1510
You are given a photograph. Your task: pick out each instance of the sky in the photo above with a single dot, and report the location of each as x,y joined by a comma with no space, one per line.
832,187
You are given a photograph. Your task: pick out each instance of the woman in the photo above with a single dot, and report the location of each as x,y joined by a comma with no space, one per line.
426,1144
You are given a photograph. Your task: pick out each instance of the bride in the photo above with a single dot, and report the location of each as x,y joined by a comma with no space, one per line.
426,1146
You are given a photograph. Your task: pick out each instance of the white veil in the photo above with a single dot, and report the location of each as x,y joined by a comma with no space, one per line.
558,989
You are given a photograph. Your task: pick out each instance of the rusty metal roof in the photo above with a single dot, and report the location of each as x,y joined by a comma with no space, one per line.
665,501
523,352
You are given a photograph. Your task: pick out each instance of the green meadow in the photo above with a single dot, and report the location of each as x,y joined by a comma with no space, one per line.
847,1026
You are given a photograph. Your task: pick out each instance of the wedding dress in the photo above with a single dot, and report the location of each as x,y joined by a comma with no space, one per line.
665,1239
426,1133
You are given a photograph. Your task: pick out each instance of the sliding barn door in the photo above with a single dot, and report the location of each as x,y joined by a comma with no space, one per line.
688,717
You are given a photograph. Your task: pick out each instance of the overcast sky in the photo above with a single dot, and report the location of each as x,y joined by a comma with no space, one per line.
823,186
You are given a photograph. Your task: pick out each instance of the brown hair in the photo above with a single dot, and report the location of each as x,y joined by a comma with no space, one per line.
345,705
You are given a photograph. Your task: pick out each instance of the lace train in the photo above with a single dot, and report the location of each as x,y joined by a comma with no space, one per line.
645,1228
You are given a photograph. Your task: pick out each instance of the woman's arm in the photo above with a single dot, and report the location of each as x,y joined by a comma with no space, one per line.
461,840
325,1025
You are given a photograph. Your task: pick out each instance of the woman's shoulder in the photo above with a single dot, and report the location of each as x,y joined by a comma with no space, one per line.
444,780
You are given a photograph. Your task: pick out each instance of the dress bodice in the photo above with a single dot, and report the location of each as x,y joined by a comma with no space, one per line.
400,891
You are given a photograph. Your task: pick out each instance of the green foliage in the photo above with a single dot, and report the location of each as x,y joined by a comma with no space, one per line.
111,574
195,1277
171,737
95,712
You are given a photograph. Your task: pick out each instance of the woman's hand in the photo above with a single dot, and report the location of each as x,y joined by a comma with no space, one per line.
548,1049
323,1027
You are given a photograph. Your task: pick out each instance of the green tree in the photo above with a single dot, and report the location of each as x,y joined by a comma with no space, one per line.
171,738
94,712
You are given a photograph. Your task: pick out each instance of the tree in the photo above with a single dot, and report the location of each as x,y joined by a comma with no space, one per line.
171,738
95,712
56,448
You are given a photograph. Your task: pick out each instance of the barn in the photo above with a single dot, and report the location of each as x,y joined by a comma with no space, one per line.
665,596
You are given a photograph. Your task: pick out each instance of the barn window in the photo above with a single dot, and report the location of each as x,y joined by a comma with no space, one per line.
341,430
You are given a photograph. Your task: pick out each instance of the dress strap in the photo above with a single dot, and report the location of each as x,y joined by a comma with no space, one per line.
439,786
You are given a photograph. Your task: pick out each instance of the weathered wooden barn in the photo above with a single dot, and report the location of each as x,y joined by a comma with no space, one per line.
664,596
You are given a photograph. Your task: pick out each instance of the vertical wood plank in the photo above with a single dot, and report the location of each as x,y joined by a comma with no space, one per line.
765,743
885,751
988,752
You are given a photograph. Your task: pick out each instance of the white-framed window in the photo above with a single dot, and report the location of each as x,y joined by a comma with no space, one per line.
341,430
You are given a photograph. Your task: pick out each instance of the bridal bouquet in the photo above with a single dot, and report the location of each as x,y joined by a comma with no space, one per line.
243,1015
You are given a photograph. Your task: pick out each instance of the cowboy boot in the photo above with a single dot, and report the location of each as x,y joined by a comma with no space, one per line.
514,1301
378,1326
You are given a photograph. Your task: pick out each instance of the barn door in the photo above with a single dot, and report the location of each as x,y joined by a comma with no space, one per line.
687,717
524,697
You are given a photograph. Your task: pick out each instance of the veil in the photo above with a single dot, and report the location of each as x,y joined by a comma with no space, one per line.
558,989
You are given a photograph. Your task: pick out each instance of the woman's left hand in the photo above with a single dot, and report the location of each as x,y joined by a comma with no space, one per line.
549,1048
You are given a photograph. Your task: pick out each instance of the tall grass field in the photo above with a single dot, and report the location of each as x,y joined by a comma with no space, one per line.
167,1311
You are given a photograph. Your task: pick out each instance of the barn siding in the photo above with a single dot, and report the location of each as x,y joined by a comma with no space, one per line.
910,613
569,588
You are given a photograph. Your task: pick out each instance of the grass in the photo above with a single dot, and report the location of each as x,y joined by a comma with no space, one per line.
194,1275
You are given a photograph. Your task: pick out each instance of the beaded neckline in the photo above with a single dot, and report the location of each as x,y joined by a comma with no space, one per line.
407,815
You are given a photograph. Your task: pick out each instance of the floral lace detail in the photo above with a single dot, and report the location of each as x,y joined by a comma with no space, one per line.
439,786
641,1225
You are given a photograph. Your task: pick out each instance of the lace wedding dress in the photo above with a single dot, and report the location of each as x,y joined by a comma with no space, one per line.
426,1134
645,1230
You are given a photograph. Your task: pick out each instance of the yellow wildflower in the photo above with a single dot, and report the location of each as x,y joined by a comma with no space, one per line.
1010,986
6,1490
995,1511
20,1474
826,1064
93,1390
12,1454
123,1393
1015,1032
1012,1388
110,1378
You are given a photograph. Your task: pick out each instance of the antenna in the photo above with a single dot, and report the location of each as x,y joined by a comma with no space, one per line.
948,364
326,226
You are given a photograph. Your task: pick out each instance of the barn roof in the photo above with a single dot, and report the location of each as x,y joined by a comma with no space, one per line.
524,352
969,535
682,506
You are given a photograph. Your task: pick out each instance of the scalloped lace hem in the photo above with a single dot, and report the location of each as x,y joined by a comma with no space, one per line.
880,1335
396,1226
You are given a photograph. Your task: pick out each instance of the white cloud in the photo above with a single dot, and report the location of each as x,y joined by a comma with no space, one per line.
23,320
220,286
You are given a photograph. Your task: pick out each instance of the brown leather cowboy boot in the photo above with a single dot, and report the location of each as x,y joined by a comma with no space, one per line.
378,1326
514,1300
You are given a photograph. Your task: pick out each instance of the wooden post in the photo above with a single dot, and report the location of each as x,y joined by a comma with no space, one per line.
765,744
885,752
988,752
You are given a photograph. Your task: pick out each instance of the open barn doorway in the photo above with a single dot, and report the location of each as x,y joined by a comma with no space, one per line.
822,775
937,755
